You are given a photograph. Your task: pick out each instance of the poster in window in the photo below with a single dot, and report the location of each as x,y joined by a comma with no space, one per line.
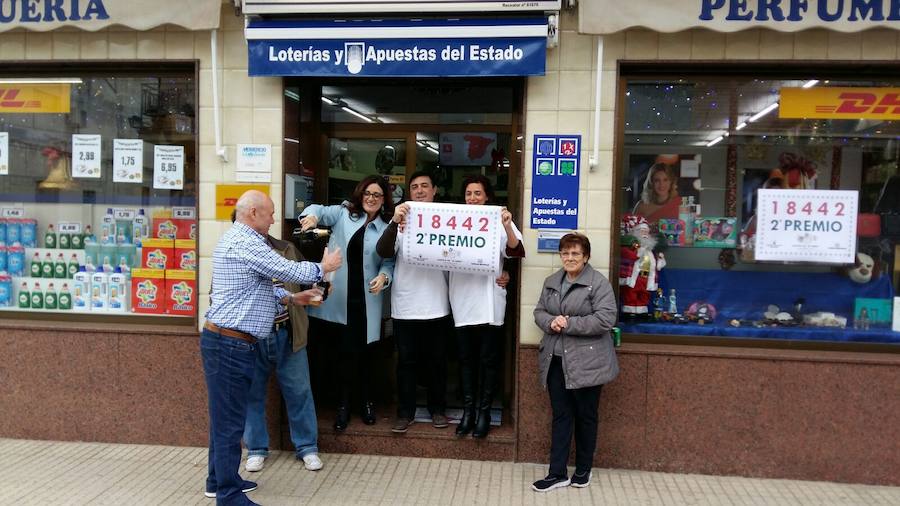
467,148
168,167
86,156
128,161
659,181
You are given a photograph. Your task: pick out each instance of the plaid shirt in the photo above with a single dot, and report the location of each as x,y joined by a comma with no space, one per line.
243,296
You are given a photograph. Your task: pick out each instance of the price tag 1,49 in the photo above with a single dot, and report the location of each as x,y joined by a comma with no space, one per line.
12,212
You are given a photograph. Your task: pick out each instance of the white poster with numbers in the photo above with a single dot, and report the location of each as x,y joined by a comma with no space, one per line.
86,156
128,161
4,153
168,167
453,237
807,226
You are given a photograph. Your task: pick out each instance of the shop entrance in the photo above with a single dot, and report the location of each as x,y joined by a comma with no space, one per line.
338,132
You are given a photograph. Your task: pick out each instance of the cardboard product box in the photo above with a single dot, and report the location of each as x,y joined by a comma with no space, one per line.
174,228
181,292
148,288
164,228
185,229
185,254
715,232
158,254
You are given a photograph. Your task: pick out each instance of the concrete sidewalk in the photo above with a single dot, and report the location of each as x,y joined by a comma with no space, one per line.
51,473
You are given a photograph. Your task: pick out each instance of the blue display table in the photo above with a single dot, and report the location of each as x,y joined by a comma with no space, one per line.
745,295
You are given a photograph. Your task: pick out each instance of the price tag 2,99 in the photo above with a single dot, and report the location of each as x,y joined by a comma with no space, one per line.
86,156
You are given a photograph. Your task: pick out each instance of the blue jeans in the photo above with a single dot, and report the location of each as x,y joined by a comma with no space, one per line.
228,367
292,371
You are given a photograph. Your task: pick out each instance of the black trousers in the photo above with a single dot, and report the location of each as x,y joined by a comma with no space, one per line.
421,341
480,359
579,408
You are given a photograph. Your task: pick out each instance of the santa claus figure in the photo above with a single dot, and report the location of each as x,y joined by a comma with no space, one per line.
640,266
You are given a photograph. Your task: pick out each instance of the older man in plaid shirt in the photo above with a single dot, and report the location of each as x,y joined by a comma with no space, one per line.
243,306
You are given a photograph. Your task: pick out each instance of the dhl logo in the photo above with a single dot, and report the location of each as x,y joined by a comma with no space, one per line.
51,98
840,103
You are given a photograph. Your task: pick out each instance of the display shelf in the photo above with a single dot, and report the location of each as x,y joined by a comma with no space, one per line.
14,309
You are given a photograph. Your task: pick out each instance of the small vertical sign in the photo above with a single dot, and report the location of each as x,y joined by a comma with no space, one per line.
168,167
4,153
86,156
128,161
555,181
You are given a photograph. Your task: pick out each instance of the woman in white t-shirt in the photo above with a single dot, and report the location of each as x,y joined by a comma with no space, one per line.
479,305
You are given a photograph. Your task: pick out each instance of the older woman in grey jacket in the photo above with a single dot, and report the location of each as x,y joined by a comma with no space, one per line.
576,311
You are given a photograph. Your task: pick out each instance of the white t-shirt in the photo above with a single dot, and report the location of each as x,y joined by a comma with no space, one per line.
475,298
417,293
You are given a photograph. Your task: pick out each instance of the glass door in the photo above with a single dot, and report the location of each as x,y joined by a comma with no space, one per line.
351,156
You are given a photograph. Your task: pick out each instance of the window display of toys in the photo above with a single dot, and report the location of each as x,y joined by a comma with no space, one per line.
715,232
701,312
672,230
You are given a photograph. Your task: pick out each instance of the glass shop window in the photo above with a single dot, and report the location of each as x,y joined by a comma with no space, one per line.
760,208
98,191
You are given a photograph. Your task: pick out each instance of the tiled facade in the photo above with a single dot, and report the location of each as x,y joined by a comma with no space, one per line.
155,393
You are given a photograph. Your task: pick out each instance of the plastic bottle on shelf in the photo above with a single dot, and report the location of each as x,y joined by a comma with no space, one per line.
47,266
6,289
37,296
88,235
64,300
108,228
89,266
24,296
81,288
50,237
73,266
15,259
59,268
36,265
99,291
118,292
50,297
76,240
64,240
123,267
140,228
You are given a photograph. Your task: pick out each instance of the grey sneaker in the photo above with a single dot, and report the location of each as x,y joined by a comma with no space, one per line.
401,424
439,421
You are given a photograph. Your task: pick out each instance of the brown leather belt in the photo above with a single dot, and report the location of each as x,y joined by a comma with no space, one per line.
212,327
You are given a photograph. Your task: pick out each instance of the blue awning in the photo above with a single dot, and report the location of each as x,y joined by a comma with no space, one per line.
397,47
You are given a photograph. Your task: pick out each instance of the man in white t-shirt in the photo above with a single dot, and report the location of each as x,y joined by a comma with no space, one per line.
420,309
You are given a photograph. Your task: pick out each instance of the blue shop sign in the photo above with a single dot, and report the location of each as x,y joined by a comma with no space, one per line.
556,162
397,48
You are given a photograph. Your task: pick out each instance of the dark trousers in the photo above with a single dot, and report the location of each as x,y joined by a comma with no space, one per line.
426,339
354,371
228,367
480,356
579,408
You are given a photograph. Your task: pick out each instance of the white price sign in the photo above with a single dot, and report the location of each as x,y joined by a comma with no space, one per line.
185,213
168,167
69,227
4,153
86,156
807,225
453,237
128,161
12,212
124,214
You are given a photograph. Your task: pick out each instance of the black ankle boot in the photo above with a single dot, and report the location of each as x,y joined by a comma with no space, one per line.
368,413
483,425
342,419
467,423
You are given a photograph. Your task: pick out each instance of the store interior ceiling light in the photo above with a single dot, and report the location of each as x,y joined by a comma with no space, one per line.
760,114
810,83
715,141
41,80
328,100
357,114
